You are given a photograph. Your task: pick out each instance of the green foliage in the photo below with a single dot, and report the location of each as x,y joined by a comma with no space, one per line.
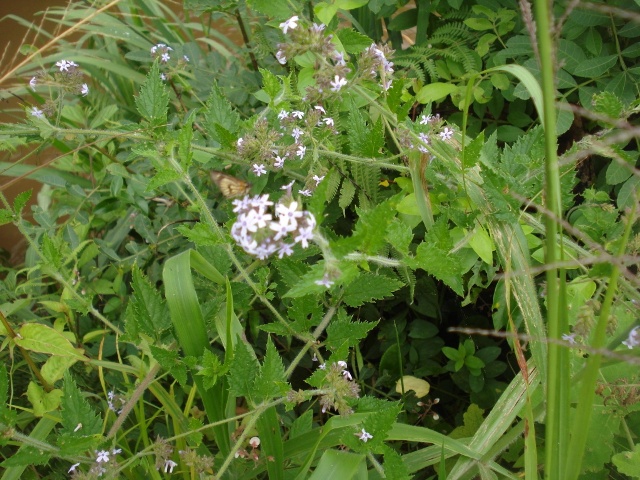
396,222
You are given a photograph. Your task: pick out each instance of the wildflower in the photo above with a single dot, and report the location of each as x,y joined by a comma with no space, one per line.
32,83
306,192
85,90
347,375
165,57
328,121
36,112
338,83
239,142
569,338
297,133
386,85
283,114
169,465
286,249
281,57
425,119
315,28
301,151
339,58
102,456
317,179
446,134
254,442
292,23
633,340
322,366
163,77
65,65
288,186
259,169
185,58
325,282
289,214
305,234
279,162
364,436
320,108
297,114
73,467
116,451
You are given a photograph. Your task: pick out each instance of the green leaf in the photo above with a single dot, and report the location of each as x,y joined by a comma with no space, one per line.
147,308
399,235
479,24
6,216
368,287
153,100
595,67
472,419
243,371
221,120
78,418
271,381
171,361
162,177
353,42
482,244
40,338
43,402
342,465
278,9
404,20
435,92
27,456
21,200
628,462
211,368
200,234
343,331
271,84
365,138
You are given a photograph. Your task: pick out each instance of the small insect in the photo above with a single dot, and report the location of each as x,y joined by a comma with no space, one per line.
230,186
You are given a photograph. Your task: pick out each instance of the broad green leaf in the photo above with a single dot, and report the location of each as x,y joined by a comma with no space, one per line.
325,11
482,244
243,371
628,462
278,9
472,419
55,367
221,120
77,415
162,177
435,92
353,41
6,216
595,67
43,402
172,362
271,381
342,465
153,99
368,287
343,330
40,338
146,307
200,234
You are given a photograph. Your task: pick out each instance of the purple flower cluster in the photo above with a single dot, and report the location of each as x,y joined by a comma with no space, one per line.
262,231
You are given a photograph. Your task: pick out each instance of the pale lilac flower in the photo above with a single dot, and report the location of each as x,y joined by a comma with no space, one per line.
318,28
85,90
322,366
116,451
339,58
186,59
32,83
342,364
347,375
303,238
282,228
301,151
239,142
446,134
281,57
292,23
328,121
259,169
286,249
306,192
386,85
297,114
169,465
364,436
283,114
102,456
337,83
164,58
297,133
73,467
325,282
321,109
570,338
425,119
65,65
36,112
279,162
288,185
317,179
163,77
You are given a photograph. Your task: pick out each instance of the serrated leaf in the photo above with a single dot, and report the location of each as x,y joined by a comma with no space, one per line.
353,42
271,84
147,306
343,330
347,192
368,287
243,371
153,100
278,9
221,120
472,420
399,235
27,456
200,234
21,200
171,362
6,216
628,462
271,381
77,415
162,177
211,368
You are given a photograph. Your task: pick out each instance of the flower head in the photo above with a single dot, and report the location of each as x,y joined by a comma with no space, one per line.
337,83
292,23
364,436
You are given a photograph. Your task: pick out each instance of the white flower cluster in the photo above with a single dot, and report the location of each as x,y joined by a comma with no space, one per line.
259,234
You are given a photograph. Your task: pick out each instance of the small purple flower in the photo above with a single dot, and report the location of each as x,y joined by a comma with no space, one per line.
292,23
84,90
337,83
318,179
364,436
36,112
169,465
324,282
306,192
102,456
32,83
259,169
446,133
301,151
65,65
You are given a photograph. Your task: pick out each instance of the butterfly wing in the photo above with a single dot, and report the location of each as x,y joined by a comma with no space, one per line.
230,186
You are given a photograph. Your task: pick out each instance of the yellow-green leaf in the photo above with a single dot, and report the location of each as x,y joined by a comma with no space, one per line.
40,338
421,387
